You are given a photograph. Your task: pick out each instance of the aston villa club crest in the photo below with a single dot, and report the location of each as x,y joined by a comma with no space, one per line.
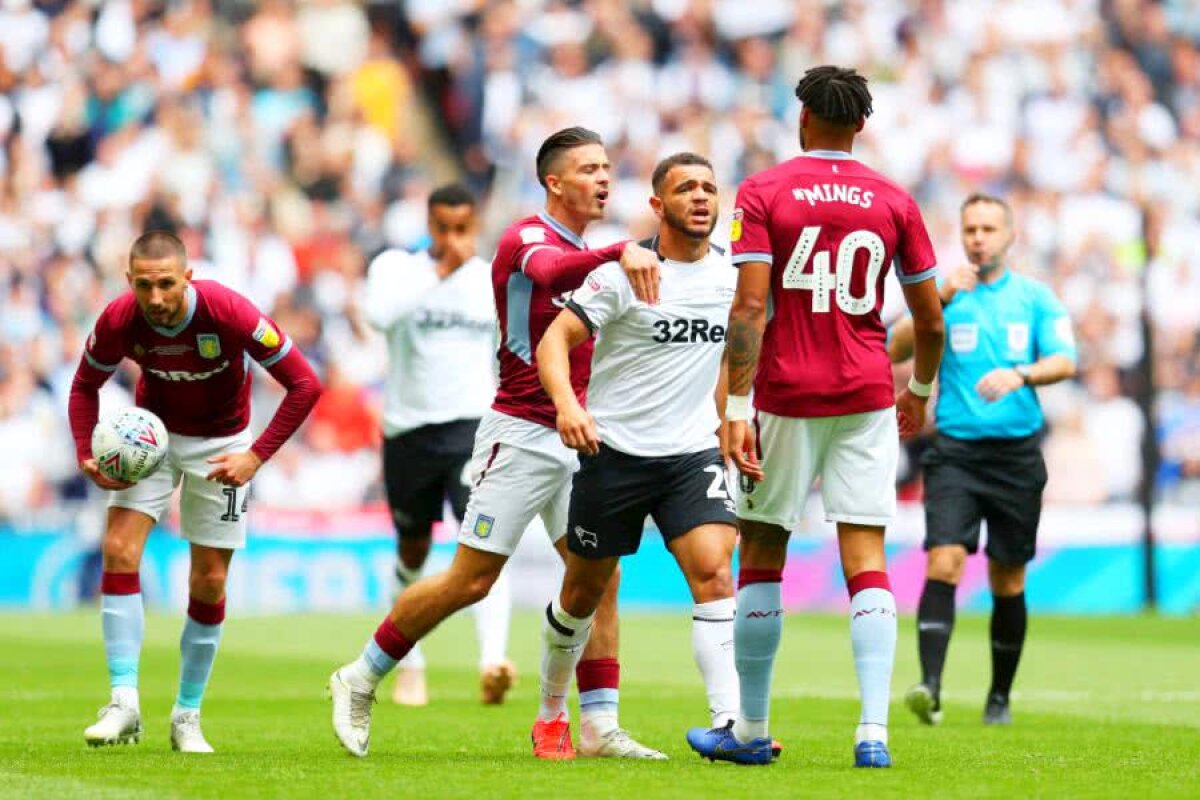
209,345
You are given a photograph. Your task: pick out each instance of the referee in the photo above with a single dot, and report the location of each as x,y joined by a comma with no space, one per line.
1005,334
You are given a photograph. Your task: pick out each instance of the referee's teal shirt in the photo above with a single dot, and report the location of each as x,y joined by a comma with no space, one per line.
1015,320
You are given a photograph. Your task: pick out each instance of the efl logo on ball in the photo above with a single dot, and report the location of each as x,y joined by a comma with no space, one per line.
130,444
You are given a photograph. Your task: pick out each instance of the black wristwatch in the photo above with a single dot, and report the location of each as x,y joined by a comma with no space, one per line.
1026,373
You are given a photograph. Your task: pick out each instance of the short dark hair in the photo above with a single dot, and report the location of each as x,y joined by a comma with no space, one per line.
451,194
157,245
558,143
983,197
669,163
837,95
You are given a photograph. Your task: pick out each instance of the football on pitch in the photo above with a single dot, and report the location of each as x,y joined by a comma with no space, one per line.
130,444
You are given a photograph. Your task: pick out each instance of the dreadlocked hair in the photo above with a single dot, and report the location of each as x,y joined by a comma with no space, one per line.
835,94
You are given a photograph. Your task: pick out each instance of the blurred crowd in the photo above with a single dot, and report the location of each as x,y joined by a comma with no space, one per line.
284,142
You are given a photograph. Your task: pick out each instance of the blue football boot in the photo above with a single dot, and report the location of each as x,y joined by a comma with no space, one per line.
719,744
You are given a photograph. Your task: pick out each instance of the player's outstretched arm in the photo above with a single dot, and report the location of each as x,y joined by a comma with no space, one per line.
743,341
928,339
559,271
303,390
575,424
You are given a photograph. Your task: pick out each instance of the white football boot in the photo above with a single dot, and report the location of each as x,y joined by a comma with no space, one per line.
186,736
613,743
351,713
116,724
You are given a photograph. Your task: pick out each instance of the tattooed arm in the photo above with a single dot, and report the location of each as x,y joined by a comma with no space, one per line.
743,340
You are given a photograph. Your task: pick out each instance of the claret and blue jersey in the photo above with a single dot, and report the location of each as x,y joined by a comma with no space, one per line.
1013,320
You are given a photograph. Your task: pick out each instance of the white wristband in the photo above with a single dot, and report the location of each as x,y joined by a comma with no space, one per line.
918,388
737,407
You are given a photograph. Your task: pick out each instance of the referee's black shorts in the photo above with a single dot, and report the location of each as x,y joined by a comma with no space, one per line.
424,468
998,480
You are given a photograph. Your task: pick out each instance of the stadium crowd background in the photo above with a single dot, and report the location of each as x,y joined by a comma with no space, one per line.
289,142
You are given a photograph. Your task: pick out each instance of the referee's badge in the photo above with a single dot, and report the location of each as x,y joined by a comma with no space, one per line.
964,337
1018,337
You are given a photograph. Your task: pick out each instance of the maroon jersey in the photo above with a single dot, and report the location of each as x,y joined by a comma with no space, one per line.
538,259
195,375
830,228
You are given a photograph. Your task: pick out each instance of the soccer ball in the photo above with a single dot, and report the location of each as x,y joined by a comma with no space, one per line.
130,444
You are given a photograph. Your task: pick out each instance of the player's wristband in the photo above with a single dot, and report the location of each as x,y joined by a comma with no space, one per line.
918,388
737,407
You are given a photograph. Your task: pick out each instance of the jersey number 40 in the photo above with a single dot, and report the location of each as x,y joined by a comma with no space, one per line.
821,281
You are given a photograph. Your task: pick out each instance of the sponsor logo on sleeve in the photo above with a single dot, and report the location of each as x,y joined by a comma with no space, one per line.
483,526
533,235
735,227
265,334
208,345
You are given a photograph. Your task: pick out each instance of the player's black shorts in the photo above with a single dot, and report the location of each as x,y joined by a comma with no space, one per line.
424,467
998,480
614,492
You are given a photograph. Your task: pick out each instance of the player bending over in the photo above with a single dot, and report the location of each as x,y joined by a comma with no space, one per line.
519,468
649,446
815,236
192,340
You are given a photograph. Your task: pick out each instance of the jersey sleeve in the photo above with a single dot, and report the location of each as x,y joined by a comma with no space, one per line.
394,287
748,233
105,345
258,333
1053,334
604,295
915,259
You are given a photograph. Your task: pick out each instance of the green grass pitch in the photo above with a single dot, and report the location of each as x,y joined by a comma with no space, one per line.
1104,708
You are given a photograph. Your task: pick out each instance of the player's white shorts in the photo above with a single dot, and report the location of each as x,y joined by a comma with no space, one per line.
512,484
210,513
855,456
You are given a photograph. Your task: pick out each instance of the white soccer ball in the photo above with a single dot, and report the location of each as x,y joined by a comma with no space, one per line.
129,444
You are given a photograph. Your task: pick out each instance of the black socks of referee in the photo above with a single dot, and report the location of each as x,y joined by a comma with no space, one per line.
935,623
1009,620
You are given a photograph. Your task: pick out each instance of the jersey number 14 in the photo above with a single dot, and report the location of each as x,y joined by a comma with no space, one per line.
821,281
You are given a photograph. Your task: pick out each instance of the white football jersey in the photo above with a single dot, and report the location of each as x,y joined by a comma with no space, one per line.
655,369
441,338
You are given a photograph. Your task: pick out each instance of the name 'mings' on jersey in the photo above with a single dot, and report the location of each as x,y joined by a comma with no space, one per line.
830,227
195,375
655,368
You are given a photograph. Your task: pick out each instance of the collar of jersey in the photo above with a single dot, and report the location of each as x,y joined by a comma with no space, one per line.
563,230
999,283
190,294
839,155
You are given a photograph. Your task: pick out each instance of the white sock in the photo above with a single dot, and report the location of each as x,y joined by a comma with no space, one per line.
492,615
745,730
126,696
869,732
873,639
712,646
563,640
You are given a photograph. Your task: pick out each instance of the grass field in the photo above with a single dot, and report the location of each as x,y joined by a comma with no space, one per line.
1103,708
